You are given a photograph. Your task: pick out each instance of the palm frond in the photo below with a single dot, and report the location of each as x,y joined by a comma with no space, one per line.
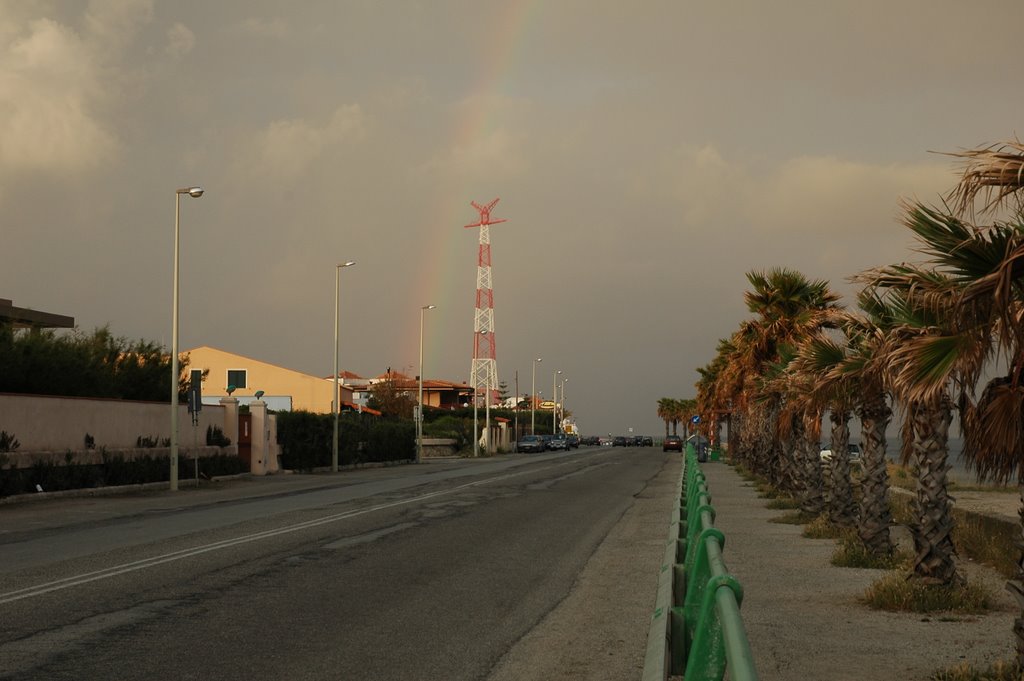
995,172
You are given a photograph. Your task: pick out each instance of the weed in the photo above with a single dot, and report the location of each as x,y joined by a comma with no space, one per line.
900,592
821,528
8,443
89,441
1000,671
784,503
852,553
794,518
987,540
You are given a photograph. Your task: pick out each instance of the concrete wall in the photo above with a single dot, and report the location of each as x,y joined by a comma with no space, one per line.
60,423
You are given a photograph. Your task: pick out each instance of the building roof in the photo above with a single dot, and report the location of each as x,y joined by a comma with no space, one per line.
24,318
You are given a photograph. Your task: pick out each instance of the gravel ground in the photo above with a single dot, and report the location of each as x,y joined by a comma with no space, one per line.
803,615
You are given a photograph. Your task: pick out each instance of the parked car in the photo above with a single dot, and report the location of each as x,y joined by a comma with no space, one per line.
606,441
672,443
619,441
559,442
638,440
648,441
573,441
853,449
530,443
590,441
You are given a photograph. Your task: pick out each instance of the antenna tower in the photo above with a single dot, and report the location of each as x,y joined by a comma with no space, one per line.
484,372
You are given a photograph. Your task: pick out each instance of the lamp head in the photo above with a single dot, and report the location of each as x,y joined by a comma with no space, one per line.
259,394
194,192
428,307
231,389
347,264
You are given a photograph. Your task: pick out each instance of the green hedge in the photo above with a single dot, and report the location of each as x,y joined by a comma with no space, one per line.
115,470
306,439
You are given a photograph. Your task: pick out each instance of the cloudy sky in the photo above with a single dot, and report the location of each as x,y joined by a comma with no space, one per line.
647,154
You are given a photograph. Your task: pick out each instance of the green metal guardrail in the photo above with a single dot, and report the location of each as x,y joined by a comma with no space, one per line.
696,630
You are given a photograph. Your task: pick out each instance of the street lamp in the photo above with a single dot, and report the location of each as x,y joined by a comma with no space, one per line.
419,417
194,192
564,381
335,406
554,404
533,398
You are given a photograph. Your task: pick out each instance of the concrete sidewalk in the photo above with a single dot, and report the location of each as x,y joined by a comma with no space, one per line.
803,616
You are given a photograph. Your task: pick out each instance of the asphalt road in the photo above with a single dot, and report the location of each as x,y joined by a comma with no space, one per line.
415,572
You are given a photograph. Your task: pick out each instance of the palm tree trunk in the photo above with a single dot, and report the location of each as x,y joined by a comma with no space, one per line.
875,516
1016,586
841,509
812,498
933,509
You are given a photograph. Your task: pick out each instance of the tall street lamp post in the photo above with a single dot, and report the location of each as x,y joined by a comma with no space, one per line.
554,404
419,415
533,398
194,192
335,401
564,381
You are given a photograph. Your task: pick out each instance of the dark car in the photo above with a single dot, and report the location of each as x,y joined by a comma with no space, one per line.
558,442
619,441
673,443
530,443
590,441
648,441
638,440
573,441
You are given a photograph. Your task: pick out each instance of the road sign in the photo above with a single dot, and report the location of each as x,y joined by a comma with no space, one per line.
695,419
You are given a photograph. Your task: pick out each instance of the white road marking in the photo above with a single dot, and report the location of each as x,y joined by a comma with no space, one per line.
113,571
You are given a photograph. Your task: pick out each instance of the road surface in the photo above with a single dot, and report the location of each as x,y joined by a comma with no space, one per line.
435,571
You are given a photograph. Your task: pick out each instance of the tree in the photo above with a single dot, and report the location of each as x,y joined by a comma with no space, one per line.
787,307
387,398
85,365
665,411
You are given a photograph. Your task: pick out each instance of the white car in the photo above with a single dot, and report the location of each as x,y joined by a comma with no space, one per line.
853,450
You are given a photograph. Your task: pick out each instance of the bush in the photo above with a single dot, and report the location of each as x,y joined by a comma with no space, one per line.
306,439
114,471
215,437
450,427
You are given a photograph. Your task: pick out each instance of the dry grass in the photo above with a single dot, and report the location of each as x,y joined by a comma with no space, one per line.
783,502
821,528
896,591
1000,671
851,552
987,540
980,538
793,518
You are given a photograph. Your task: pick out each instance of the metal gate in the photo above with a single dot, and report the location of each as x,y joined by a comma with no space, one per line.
245,439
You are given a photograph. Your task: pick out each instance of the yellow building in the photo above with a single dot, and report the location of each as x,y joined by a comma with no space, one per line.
279,385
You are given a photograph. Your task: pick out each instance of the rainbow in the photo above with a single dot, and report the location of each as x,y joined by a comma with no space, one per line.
447,275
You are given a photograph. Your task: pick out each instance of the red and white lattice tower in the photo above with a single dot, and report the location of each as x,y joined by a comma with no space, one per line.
484,373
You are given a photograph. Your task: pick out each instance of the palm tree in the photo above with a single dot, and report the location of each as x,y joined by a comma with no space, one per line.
865,338
938,340
788,307
817,362
665,411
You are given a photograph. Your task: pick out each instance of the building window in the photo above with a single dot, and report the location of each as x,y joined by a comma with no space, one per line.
236,377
